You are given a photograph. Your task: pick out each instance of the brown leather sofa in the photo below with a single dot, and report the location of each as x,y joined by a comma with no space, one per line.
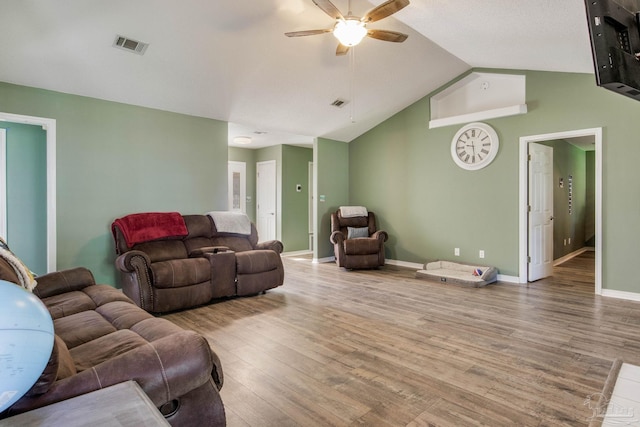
362,252
178,272
102,338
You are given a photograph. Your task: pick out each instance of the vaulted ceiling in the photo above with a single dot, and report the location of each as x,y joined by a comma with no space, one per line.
230,60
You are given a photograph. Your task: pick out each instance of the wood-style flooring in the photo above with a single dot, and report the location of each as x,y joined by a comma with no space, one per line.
380,348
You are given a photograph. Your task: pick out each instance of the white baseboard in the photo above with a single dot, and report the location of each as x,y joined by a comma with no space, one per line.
296,253
323,260
573,255
612,293
508,279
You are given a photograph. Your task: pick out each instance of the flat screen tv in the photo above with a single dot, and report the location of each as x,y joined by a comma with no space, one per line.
614,28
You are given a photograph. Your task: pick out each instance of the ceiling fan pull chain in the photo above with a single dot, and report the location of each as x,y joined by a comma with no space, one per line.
352,66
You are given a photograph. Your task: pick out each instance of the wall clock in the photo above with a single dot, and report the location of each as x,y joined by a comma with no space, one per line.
474,146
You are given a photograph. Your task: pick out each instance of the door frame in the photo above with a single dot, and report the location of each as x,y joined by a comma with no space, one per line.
3,183
49,126
312,213
524,181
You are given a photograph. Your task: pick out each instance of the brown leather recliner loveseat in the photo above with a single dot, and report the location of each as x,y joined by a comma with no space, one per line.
102,338
195,264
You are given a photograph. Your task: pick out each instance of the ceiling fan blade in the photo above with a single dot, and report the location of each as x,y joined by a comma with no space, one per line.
342,50
307,33
385,9
388,36
329,8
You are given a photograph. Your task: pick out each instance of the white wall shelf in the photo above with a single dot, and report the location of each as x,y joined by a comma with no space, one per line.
479,96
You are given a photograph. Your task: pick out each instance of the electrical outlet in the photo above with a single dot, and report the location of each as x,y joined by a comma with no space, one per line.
456,251
569,240
565,242
481,253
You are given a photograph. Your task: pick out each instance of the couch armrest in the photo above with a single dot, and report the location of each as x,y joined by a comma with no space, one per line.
59,282
129,261
165,369
380,235
207,250
135,267
337,237
274,245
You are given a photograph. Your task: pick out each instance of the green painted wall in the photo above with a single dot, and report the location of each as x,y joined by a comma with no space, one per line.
568,226
403,170
295,212
331,161
249,157
115,159
26,161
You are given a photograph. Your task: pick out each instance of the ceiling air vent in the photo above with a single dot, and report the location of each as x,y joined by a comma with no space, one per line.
130,45
339,103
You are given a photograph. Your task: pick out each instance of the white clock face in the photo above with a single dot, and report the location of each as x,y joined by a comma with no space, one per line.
474,146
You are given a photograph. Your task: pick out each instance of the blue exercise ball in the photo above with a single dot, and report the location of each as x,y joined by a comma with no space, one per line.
26,341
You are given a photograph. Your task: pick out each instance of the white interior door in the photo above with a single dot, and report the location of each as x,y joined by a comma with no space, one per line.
540,211
266,199
237,187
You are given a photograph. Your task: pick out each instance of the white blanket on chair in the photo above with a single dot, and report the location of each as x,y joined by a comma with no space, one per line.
353,211
231,222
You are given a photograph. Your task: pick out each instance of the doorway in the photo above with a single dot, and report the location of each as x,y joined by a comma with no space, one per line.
595,135
49,126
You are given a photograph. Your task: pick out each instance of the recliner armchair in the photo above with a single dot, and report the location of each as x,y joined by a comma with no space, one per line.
357,243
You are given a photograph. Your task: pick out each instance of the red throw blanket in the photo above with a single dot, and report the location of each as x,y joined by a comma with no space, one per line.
143,227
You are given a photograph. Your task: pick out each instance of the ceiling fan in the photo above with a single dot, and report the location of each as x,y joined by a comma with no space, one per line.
350,30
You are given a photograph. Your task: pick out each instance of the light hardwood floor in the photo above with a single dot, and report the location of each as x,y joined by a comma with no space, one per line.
381,348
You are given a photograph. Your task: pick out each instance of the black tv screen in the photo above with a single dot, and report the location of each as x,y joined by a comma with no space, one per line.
614,29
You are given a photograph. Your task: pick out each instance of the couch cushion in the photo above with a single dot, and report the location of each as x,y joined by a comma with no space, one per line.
163,250
155,328
122,315
180,272
94,352
198,226
257,261
68,303
103,294
361,246
93,326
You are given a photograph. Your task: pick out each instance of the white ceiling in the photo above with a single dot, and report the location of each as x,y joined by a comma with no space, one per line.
230,60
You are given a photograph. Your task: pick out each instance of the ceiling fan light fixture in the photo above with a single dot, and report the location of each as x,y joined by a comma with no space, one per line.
350,31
